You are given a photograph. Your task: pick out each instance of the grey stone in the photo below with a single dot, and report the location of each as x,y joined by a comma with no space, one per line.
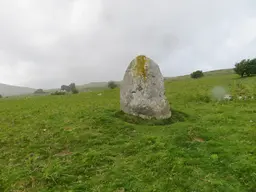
227,97
142,90
240,97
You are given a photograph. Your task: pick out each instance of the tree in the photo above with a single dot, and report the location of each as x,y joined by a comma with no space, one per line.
39,91
251,67
1,96
245,67
112,85
65,88
197,74
73,88
241,68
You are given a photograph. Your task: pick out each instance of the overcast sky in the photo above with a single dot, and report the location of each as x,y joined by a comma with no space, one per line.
47,43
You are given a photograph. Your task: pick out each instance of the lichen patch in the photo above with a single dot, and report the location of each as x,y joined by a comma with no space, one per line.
140,66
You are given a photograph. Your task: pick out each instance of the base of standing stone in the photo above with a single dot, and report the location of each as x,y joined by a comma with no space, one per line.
148,117
143,116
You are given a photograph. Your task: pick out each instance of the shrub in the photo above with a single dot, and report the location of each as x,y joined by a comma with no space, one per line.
59,93
112,85
70,88
39,91
65,88
197,74
75,90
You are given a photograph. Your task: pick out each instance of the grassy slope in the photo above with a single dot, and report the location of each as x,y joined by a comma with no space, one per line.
78,143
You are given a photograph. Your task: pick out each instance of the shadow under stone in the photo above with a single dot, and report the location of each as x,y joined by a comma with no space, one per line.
177,116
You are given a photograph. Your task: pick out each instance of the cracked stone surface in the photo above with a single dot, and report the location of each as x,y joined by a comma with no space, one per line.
142,90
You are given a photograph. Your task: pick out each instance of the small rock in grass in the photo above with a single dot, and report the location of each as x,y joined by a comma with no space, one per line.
63,153
198,139
240,97
68,129
227,97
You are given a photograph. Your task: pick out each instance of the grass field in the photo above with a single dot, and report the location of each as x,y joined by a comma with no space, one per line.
80,143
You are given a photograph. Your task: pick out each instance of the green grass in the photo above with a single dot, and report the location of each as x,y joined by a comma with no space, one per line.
84,143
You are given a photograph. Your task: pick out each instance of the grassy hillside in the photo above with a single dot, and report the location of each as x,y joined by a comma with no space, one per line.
219,72
9,90
83,143
94,86
87,87
206,73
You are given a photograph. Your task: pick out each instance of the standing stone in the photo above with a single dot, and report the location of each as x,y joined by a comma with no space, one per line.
142,90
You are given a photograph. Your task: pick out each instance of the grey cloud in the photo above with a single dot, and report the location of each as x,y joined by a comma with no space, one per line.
49,43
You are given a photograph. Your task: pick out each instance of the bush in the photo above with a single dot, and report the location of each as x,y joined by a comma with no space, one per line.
39,91
252,67
70,88
112,85
75,91
65,88
1,96
197,74
245,67
59,93
73,88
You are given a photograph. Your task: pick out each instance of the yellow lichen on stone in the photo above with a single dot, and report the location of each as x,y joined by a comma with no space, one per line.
140,66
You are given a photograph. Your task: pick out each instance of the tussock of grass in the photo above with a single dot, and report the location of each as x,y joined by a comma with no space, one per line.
82,143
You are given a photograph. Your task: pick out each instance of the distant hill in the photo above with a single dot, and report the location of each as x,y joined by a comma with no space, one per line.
10,90
219,72
206,73
85,87
93,85
103,85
